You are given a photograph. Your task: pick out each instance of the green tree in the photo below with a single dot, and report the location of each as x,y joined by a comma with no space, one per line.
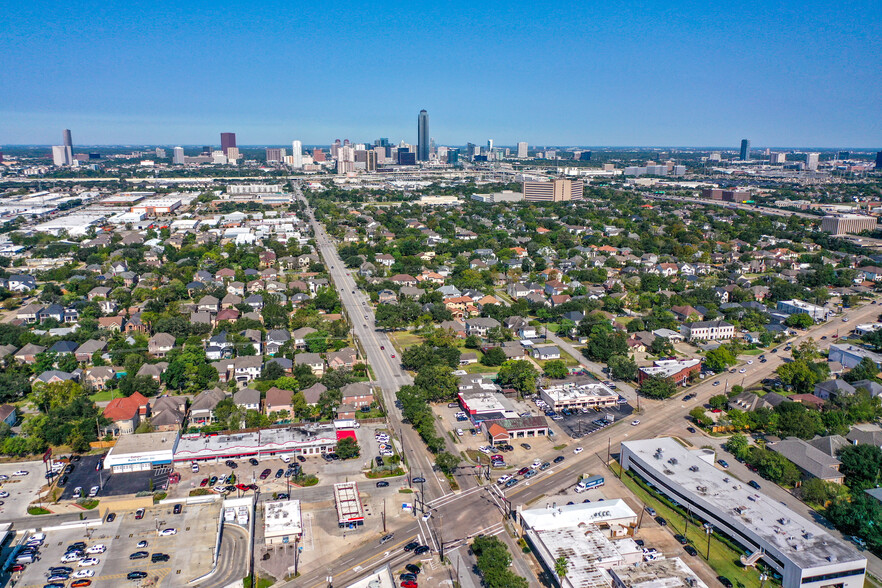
719,359
796,420
865,370
738,445
658,387
518,374
347,448
557,369
493,357
438,381
862,466
718,401
622,367
799,321
560,567
447,462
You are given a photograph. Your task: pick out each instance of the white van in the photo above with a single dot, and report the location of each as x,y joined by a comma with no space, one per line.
285,458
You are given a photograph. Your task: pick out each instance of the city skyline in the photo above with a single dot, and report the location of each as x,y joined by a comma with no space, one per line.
716,89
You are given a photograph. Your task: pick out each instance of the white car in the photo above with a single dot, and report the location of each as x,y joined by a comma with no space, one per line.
21,473
577,450
83,574
97,549
167,532
536,463
4,494
485,449
749,362
427,516
89,561
635,422
285,459
742,370
459,433
71,557
503,479
3,477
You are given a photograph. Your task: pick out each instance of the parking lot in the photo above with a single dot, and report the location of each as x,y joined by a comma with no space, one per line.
85,476
580,424
190,550
328,472
22,489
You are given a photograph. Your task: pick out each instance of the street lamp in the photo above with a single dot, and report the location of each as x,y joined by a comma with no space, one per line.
709,529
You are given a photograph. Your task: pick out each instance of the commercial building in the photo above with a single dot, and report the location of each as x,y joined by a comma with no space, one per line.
811,161
504,196
350,512
805,554
848,224
485,405
745,149
228,140
677,370
725,195
297,154
581,394
594,537
300,440
138,453
61,155
282,522
656,573
818,313
553,191
851,355
707,331
522,150
423,136
155,206
275,155
505,430
178,156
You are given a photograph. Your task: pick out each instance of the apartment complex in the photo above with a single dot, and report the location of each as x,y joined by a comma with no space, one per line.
848,224
553,191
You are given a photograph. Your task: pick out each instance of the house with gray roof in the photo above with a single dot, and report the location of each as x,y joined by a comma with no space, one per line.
833,388
247,398
810,460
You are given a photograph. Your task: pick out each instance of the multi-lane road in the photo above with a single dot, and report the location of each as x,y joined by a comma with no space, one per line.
381,356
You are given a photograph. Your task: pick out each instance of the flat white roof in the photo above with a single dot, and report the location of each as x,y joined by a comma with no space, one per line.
801,541
659,573
282,518
348,502
576,391
669,367
264,440
574,514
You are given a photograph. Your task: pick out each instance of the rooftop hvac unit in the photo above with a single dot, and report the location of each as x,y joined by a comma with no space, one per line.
673,461
693,468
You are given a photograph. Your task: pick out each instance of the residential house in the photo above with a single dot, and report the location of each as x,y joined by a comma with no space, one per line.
98,377
833,388
479,326
544,352
89,348
314,393
313,360
275,339
810,460
357,394
278,400
126,413
247,398
160,344
299,337
345,358
202,408
8,415
154,370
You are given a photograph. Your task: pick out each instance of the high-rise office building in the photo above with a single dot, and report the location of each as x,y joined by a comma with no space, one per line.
423,136
489,145
811,161
206,150
522,150
297,153
61,155
67,140
227,140
178,156
453,156
232,153
585,156
275,154
843,155
776,157
370,160
745,149
553,191
879,161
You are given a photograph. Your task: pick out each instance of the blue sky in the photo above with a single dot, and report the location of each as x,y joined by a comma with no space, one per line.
582,73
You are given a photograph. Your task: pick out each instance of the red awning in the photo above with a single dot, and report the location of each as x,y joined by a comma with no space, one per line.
347,433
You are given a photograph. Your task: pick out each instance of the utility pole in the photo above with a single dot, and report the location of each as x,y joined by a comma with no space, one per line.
708,528
384,515
296,553
608,447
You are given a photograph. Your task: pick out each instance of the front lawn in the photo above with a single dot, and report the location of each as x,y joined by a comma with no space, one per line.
104,396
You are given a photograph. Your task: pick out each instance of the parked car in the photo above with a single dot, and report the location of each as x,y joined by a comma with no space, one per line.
723,463
382,484
661,521
167,532
690,550
157,557
753,484
139,555
265,473
178,508
650,511
136,575
139,514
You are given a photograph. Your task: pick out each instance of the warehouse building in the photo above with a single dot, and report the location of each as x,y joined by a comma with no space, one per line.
805,554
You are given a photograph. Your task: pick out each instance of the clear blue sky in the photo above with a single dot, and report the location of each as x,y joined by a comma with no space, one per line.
564,73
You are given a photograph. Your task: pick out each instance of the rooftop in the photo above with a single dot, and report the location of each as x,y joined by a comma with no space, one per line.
659,573
576,390
145,442
276,439
668,367
798,539
282,518
348,502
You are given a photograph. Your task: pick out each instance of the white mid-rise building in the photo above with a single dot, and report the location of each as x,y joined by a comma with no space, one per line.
522,150
296,154
178,156
804,553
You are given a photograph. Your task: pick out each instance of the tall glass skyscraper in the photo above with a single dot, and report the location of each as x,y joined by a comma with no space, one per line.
745,149
227,140
423,136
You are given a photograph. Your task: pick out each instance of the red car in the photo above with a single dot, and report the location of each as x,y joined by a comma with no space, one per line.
382,347
523,471
409,584
393,356
17,568
243,487
204,482
265,473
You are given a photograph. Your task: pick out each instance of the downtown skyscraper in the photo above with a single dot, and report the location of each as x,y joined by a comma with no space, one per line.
745,149
423,136
227,140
